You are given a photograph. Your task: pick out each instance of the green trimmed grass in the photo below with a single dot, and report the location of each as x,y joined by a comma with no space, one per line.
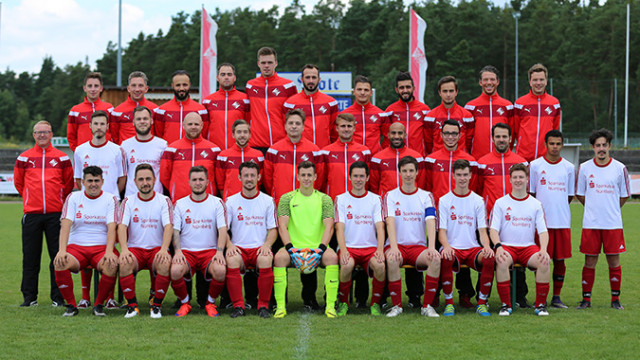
600,332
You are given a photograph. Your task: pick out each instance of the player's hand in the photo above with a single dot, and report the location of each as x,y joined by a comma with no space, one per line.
219,258
296,259
110,258
448,252
394,254
61,259
126,257
379,255
543,257
179,258
487,252
317,251
163,257
501,255
433,254
233,250
293,250
344,257
265,250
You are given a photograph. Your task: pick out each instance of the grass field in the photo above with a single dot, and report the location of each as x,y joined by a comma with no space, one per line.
597,333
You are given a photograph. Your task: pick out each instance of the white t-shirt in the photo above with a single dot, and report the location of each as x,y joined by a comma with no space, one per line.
90,217
145,220
410,213
108,157
553,183
142,152
517,220
199,222
461,216
250,219
602,188
359,214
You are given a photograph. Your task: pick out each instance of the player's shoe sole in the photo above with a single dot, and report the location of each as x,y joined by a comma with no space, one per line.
71,311
155,312
449,310
394,311
212,310
584,304
616,305
132,311
84,304
184,310
482,310
343,308
98,310
375,310
541,311
280,313
429,311
505,311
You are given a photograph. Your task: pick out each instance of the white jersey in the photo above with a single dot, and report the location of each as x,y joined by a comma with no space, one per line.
517,220
142,152
199,221
145,220
410,212
108,157
461,216
602,188
359,214
90,217
250,219
553,184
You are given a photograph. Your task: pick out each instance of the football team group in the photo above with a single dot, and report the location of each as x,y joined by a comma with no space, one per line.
364,192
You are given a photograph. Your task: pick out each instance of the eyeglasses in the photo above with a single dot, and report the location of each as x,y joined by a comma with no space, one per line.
450,134
42,132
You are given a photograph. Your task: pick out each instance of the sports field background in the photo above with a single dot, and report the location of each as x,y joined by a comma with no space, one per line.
597,333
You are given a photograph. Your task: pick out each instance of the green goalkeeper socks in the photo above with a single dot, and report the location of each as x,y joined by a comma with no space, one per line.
331,283
280,286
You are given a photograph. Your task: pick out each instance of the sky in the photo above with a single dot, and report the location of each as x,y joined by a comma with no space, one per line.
72,31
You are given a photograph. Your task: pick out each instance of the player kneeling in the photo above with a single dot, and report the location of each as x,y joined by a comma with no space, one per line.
305,220
360,235
252,220
514,221
144,232
462,212
87,239
199,238
409,211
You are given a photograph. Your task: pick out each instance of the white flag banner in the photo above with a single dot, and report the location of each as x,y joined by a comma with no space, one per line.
208,55
417,55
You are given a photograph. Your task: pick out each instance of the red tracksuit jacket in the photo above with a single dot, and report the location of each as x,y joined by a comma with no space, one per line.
337,158
439,169
78,131
438,115
227,166
384,174
493,179
533,117
225,107
413,116
167,119
321,111
121,126
370,121
488,111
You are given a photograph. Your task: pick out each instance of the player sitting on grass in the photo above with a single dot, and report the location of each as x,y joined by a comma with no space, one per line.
360,235
305,220
514,221
462,212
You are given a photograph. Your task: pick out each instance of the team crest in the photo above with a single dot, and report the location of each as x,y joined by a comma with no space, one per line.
79,215
416,116
349,216
53,162
276,92
240,217
323,109
187,220
398,212
355,157
543,181
304,157
500,111
453,216
235,104
548,110
132,160
507,216
204,154
136,218
373,118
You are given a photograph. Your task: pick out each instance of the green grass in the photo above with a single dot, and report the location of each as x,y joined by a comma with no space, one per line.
597,333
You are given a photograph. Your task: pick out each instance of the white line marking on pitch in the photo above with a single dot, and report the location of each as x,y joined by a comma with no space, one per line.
303,337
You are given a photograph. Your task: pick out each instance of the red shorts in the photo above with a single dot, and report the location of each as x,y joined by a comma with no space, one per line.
611,241
199,260
88,256
559,247
362,256
409,254
521,254
145,257
466,257
249,257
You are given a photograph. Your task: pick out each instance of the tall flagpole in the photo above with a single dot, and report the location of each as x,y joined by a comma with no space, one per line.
200,56
409,52
119,65
626,80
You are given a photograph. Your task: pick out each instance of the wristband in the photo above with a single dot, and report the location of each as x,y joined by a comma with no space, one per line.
288,246
496,246
322,247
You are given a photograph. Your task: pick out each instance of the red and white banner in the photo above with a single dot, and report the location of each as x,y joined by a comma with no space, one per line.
417,56
208,55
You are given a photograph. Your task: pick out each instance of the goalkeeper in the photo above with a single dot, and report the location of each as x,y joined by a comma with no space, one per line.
305,221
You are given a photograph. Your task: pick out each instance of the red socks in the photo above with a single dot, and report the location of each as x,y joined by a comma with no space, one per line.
542,290
180,289
343,291
128,284
430,289
504,290
588,276
65,284
395,290
377,288
486,279
559,269
215,288
234,286
85,276
446,278
615,278
161,284
105,287
265,287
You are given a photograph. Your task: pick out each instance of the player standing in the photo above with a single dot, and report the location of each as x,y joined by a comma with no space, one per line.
87,238
360,235
122,126
78,130
305,220
144,233
199,238
462,212
448,110
603,188
515,219
252,221
411,225
552,181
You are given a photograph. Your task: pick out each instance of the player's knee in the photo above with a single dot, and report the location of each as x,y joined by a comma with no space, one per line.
264,262
177,271
329,257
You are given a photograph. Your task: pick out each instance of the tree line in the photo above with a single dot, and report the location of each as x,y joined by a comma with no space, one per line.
582,43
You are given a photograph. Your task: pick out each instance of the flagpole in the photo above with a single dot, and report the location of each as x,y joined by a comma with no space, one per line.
200,56
409,52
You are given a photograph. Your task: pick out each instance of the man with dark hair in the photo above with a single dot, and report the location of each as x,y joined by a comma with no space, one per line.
229,160
321,109
515,220
252,221
535,114
225,106
168,118
78,131
43,176
370,119
552,182
603,187
448,109
488,109
410,216
410,112
87,239
305,221
122,127
360,235
267,93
